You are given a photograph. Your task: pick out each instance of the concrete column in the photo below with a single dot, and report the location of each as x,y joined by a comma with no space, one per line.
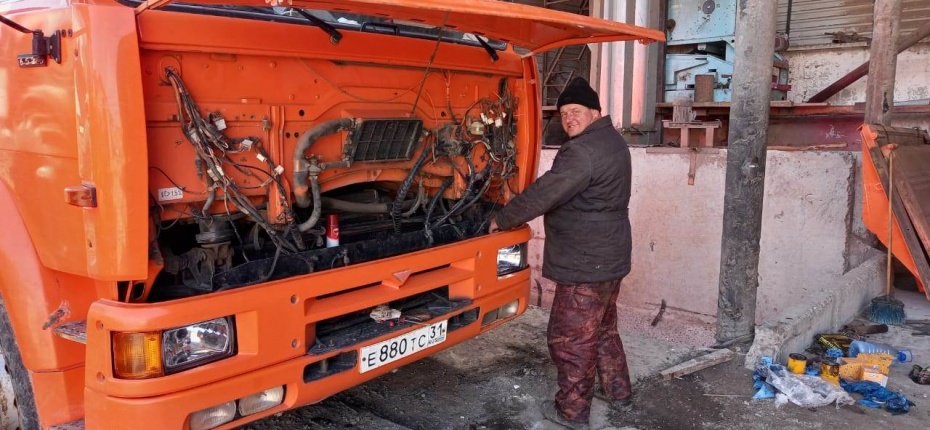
883,53
745,177
645,63
616,67
596,10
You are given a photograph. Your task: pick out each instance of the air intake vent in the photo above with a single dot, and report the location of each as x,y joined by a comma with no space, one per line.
386,139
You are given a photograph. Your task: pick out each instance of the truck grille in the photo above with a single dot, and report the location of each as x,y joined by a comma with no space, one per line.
386,139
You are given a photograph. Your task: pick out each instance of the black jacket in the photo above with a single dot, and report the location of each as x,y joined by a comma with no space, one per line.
584,198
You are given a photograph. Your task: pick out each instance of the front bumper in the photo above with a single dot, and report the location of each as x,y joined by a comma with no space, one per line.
275,326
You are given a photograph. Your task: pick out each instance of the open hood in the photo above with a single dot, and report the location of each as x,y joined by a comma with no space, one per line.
529,27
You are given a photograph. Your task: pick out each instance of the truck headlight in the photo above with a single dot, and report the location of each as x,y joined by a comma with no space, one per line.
511,259
196,344
152,354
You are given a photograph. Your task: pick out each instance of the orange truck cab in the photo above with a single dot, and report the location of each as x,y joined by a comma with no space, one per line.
214,211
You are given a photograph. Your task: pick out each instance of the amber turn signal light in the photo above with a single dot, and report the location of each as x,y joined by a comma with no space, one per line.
137,355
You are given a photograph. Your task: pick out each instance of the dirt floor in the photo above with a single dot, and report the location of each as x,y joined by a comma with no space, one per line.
498,380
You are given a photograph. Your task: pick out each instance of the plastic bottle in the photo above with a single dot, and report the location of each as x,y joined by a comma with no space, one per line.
861,347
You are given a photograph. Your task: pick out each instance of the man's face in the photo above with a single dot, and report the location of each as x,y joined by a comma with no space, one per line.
576,118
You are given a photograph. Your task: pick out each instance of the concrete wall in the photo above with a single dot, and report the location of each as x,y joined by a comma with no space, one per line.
813,68
811,232
821,312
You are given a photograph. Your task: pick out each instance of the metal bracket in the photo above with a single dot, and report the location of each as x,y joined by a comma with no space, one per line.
42,47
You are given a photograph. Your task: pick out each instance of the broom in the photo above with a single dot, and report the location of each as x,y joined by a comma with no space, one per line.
886,309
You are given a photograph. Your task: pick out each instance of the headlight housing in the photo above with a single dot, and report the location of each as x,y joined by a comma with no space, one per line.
196,344
153,354
511,259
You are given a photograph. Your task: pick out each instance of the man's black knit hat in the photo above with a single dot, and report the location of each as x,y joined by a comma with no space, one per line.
579,92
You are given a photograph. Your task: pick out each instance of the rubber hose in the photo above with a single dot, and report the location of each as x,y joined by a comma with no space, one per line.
300,162
317,206
364,208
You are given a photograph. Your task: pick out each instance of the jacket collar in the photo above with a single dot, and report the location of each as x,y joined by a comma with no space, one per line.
598,124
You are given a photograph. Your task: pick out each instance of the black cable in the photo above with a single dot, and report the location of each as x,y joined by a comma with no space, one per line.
429,64
204,137
398,206
432,203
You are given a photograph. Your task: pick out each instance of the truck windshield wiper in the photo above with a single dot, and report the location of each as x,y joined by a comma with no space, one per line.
15,26
334,35
491,52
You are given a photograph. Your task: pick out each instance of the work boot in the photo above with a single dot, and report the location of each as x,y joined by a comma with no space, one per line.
619,405
552,413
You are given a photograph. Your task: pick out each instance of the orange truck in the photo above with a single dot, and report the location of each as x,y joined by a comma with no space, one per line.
215,211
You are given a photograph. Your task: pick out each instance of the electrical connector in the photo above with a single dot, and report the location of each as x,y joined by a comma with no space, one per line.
278,170
218,121
245,145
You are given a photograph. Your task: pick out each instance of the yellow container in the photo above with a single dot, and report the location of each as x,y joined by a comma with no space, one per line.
830,372
797,363
851,368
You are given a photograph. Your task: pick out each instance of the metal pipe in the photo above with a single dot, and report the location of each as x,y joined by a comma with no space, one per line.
788,18
916,36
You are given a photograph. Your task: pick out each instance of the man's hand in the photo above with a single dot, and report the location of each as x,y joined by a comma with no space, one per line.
492,227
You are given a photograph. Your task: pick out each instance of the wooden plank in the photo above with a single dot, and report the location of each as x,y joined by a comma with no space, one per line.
883,56
700,363
904,222
912,179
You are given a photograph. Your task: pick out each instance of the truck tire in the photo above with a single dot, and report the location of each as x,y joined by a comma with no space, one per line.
17,403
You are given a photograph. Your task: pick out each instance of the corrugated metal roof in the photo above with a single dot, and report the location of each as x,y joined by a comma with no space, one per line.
812,19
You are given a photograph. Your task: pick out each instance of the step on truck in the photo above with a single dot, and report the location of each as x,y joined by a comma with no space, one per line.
215,211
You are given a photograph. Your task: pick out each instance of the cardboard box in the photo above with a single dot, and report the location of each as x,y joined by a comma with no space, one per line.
874,373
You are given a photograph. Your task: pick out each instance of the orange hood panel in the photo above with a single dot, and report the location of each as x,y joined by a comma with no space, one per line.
530,27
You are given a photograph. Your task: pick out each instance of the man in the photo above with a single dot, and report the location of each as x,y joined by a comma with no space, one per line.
584,198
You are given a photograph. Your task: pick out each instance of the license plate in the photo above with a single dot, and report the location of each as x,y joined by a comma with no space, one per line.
379,354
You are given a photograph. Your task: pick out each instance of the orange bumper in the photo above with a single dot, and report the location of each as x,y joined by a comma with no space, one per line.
275,323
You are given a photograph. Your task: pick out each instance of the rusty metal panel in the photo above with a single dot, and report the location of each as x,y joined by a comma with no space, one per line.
817,22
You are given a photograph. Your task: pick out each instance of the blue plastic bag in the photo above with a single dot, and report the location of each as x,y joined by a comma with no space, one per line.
764,390
873,395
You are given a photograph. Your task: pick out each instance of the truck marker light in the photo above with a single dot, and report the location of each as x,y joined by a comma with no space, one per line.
84,196
137,355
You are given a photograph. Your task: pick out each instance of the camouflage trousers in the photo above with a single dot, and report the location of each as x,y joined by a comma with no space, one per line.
584,342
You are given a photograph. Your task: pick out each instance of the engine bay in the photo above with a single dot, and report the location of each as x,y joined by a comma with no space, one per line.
255,177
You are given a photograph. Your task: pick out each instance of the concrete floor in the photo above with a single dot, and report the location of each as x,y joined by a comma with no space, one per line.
497,381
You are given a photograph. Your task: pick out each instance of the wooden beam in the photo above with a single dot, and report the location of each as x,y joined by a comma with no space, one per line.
700,363
879,92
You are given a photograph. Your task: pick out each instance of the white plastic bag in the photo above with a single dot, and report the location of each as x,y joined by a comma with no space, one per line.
804,390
